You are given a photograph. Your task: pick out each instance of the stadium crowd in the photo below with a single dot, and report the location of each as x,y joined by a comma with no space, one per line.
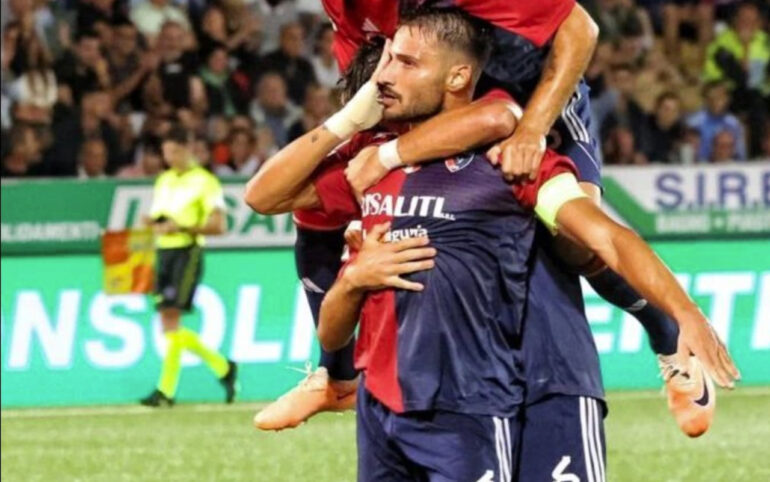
90,87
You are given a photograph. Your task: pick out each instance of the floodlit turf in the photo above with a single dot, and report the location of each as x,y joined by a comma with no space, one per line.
217,443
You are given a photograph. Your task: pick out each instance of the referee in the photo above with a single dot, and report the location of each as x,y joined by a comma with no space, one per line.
187,204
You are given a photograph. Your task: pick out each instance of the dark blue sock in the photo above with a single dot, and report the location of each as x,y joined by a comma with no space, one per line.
339,363
317,254
662,331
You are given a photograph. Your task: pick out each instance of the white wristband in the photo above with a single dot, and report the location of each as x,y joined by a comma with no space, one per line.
515,110
388,154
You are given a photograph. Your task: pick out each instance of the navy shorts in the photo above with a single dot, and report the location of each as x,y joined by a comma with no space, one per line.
432,446
571,136
318,258
562,440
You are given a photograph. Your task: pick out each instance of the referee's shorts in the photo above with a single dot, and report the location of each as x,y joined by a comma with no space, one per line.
179,272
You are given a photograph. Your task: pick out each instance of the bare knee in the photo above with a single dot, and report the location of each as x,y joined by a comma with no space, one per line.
169,319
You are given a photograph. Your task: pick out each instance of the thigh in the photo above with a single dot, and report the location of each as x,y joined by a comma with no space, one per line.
379,459
572,136
562,440
458,447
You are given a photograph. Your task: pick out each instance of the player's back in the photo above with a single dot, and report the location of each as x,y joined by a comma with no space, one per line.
559,353
451,346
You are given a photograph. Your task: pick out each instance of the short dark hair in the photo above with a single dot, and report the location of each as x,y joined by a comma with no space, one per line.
362,67
454,28
179,134
667,95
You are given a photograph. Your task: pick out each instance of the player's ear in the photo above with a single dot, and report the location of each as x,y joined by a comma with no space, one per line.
459,78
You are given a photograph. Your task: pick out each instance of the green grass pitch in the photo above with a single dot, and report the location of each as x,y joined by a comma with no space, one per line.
218,443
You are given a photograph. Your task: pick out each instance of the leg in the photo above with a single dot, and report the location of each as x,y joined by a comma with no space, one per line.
563,440
432,440
379,459
332,387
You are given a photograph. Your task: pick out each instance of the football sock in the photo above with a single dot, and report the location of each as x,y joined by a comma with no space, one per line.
662,331
214,360
340,363
172,365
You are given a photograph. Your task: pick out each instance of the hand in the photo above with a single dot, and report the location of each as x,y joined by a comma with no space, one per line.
519,156
380,264
365,170
363,111
149,61
697,336
354,236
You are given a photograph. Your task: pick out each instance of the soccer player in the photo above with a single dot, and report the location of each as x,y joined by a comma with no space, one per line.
187,205
318,251
541,51
299,161
418,350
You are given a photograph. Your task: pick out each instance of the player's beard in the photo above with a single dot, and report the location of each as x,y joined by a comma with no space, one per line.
425,104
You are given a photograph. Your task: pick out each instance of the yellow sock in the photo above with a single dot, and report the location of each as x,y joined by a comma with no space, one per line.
215,361
172,364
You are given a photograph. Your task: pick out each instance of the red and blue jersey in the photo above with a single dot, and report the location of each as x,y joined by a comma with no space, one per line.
452,346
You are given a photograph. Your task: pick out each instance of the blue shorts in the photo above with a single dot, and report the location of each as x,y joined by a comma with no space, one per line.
317,255
562,440
571,136
432,446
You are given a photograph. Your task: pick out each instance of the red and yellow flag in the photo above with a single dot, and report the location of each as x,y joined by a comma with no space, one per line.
129,261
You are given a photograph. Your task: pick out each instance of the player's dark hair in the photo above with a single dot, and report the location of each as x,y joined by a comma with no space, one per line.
361,67
454,28
179,134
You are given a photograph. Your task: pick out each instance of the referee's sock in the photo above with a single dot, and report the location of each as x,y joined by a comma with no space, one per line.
172,365
662,331
213,359
178,341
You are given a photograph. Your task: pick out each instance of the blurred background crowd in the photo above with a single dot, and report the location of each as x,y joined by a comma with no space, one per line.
90,87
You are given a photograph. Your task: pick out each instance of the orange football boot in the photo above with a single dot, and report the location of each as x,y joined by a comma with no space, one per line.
692,398
315,393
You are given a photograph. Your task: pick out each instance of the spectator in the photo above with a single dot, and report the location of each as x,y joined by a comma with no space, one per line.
91,13
222,93
129,68
23,156
244,157
661,140
82,70
217,133
148,164
317,108
274,14
92,159
202,152
215,31
620,148
723,149
616,106
174,90
94,119
273,109
288,61
715,118
740,54
150,16
324,64
35,90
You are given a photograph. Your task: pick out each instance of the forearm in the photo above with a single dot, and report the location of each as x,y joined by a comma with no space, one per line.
572,48
216,224
456,131
627,254
289,172
339,315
